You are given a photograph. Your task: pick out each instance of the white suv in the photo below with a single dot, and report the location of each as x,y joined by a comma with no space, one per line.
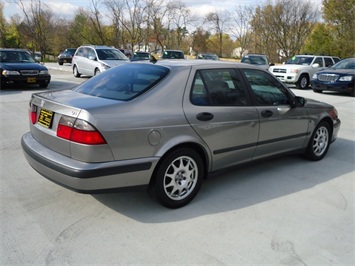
90,60
300,68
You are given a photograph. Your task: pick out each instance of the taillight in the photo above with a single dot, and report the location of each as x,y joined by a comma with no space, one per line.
78,130
32,113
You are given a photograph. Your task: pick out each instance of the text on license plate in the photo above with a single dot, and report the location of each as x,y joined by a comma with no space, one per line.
45,118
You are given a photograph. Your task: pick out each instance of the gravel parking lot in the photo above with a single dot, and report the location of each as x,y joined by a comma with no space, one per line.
283,211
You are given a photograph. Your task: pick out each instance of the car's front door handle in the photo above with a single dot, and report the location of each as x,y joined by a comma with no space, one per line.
266,113
204,116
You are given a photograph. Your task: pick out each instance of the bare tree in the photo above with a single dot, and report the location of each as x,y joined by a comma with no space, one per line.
38,19
157,11
96,22
240,26
219,21
288,24
179,18
128,17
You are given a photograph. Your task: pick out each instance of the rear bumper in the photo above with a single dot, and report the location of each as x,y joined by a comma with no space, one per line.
86,177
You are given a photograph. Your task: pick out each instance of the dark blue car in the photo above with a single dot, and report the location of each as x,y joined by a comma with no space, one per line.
17,66
340,78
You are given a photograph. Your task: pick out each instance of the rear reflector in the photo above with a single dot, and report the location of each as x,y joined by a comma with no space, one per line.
79,131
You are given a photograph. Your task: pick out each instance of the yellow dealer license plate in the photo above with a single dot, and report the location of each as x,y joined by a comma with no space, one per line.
31,80
45,118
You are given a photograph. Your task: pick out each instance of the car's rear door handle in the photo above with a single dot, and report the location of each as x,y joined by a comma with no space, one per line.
266,113
204,116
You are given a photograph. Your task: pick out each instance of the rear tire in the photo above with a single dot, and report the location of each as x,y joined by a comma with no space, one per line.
319,143
303,82
178,178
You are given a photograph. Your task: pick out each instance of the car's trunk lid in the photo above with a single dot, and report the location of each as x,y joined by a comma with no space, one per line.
51,106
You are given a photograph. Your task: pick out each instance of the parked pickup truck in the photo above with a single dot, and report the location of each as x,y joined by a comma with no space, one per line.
299,69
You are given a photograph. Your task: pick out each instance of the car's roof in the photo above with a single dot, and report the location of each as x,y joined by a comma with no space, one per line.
13,49
171,50
189,63
263,55
99,47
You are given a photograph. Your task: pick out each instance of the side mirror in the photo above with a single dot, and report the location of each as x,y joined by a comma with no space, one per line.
298,101
315,65
92,57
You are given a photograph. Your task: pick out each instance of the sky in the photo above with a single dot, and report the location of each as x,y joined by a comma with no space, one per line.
67,8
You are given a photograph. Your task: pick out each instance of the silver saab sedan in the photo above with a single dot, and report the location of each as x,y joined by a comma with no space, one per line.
165,126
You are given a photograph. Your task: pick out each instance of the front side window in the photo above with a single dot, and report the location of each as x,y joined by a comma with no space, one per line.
218,87
328,61
267,91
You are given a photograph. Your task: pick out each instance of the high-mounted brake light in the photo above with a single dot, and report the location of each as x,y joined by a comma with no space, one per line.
78,130
32,113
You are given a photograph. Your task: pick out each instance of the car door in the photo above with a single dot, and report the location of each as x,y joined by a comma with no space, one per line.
282,127
219,109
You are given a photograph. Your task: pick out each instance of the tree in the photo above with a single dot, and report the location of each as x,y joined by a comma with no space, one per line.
199,40
219,21
339,15
322,41
37,27
287,24
240,26
2,27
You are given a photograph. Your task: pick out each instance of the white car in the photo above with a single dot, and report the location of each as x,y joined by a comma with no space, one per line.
300,68
91,60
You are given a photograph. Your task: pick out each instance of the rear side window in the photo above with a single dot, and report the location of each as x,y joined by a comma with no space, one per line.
319,61
328,61
124,82
217,87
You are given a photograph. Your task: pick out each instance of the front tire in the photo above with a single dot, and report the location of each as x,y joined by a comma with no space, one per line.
319,143
303,82
178,178
76,72
97,72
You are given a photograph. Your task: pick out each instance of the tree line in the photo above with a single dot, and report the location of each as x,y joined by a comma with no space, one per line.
279,28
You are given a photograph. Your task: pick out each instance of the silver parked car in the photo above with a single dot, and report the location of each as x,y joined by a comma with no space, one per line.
259,60
91,60
165,126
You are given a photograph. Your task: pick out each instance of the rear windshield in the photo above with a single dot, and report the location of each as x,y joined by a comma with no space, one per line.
173,55
124,82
